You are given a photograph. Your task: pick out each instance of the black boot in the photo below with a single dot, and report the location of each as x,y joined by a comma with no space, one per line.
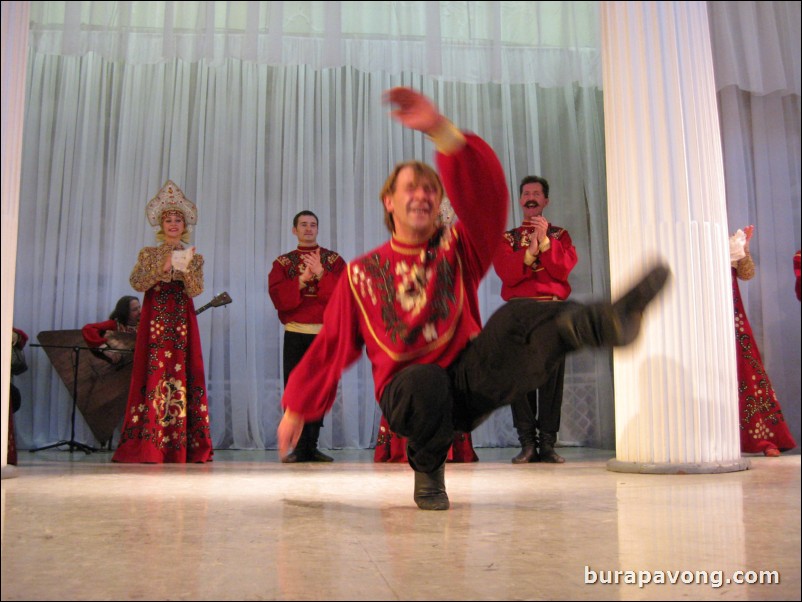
306,449
528,454
616,324
525,423
430,489
547,453
298,454
528,449
313,454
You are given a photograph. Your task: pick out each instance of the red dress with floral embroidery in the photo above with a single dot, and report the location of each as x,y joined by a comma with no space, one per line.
761,419
391,447
167,417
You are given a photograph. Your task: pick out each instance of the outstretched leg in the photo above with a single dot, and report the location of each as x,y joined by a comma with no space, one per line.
617,324
523,342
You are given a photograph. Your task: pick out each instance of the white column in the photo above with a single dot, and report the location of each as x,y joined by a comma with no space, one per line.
14,52
676,401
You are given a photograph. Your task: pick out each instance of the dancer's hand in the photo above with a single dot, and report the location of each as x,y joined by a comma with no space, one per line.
413,109
289,431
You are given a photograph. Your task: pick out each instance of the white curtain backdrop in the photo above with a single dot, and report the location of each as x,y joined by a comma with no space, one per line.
258,110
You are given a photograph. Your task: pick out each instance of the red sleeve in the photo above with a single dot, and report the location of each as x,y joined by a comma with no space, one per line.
327,285
561,258
312,385
476,186
798,273
509,264
93,333
284,292
22,338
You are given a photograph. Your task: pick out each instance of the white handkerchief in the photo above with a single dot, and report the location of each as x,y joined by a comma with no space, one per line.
181,259
737,242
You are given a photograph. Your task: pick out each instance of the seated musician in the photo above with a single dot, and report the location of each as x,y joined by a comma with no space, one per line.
124,318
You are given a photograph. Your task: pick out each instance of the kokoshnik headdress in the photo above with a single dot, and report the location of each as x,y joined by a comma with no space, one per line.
447,214
171,198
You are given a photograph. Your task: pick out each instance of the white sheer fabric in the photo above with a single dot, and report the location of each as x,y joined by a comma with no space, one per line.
756,50
120,100
552,43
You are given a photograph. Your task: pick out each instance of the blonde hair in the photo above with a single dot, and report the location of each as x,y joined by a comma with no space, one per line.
421,172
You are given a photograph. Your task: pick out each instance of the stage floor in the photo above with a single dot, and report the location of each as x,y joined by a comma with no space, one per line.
245,527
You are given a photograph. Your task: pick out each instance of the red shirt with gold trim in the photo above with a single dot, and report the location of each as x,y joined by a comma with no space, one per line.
410,304
547,278
303,305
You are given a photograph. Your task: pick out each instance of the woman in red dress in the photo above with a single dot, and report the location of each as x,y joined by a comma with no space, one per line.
167,417
763,426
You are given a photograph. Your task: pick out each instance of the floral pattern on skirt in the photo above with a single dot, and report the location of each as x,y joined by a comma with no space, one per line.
761,419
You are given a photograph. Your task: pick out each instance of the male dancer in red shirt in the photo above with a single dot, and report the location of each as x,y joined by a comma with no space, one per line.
412,304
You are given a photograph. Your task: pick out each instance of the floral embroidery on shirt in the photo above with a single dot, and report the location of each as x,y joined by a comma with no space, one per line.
415,294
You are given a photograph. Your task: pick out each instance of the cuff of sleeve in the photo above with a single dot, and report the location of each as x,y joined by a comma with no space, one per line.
544,245
447,138
529,259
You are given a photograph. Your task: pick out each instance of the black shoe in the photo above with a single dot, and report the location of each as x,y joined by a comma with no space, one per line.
547,453
551,456
430,490
628,310
319,456
611,324
528,454
290,458
306,456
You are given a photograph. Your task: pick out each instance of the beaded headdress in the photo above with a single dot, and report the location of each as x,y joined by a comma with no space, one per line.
447,214
171,198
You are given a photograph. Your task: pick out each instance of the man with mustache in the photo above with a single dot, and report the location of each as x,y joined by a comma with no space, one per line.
533,262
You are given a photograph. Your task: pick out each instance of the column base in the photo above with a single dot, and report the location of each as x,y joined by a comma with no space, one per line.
9,471
616,465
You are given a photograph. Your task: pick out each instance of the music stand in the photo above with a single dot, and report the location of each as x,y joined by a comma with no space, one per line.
88,449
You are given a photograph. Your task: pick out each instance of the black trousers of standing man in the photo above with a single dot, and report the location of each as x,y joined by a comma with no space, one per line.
296,345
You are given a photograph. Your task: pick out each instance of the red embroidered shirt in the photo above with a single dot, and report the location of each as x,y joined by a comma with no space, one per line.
547,277
303,305
410,304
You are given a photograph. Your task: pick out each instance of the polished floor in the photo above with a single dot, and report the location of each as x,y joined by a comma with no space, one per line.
245,527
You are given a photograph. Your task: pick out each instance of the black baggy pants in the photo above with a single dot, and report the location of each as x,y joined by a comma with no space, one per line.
516,352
